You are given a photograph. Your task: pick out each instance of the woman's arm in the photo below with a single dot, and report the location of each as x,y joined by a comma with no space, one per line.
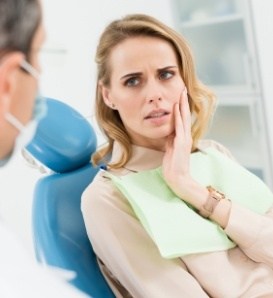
251,231
123,245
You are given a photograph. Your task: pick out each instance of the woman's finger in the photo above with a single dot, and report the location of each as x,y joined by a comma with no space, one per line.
186,114
179,129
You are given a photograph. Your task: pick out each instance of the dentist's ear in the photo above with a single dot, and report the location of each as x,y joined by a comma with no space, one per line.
9,66
106,96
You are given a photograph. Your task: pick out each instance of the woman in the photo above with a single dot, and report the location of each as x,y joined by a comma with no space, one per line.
154,111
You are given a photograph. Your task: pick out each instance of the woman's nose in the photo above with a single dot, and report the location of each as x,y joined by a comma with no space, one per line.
153,100
153,93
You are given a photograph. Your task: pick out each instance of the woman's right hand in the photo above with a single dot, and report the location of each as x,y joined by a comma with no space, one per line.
176,161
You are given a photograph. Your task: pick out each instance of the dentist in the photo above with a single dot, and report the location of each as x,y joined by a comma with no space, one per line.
21,37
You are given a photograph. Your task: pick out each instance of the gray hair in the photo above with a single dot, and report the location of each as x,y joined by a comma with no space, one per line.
19,20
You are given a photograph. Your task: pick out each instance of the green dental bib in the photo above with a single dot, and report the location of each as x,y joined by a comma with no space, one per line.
174,226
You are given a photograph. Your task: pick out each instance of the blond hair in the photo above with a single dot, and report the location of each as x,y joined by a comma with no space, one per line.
201,99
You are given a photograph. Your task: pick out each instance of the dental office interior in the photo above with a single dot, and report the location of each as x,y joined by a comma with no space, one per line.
232,44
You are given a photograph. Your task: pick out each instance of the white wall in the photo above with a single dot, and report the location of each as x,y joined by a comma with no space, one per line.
73,28
263,25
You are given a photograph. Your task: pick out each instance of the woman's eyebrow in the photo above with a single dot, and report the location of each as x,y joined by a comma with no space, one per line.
132,74
167,67
135,74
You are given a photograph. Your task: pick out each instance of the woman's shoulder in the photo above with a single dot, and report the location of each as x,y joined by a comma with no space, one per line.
101,193
208,143
100,186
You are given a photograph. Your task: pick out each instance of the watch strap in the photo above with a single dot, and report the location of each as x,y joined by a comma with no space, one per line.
213,199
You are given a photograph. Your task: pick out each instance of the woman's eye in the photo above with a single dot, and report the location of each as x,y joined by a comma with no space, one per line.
165,75
132,82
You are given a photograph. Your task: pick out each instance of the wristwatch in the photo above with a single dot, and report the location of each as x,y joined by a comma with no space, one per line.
212,201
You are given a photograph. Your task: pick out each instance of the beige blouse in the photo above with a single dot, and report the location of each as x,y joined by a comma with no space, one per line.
131,263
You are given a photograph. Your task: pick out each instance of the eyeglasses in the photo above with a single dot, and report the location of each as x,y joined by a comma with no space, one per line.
30,69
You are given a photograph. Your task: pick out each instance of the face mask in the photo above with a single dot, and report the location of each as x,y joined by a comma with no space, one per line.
27,132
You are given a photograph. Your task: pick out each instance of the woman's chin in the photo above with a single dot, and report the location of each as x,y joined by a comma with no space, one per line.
163,134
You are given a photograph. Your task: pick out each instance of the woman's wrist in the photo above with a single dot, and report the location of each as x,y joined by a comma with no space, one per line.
191,192
198,195
221,213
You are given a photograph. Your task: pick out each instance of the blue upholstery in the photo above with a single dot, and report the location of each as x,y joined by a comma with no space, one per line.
64,143
64,139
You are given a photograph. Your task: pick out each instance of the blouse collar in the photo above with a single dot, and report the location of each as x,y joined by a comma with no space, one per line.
142,158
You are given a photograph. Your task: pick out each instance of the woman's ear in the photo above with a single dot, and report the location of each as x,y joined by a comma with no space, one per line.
8,68
106,96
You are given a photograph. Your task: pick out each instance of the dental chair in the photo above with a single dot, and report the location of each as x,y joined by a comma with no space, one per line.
63,145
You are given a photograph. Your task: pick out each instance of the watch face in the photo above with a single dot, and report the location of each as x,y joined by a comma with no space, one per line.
215,193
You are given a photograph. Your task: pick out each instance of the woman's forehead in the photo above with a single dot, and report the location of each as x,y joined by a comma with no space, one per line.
136,51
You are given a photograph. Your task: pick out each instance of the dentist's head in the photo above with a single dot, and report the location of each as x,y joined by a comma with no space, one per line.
21,37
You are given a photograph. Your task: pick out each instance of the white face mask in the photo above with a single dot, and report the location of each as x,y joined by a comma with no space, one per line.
27,132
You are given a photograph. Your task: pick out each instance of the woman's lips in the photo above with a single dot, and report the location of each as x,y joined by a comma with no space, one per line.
158,117
156,114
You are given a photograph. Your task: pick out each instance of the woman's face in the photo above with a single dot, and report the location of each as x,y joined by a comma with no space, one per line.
145,85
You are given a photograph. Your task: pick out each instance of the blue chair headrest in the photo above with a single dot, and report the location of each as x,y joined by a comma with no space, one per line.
64,140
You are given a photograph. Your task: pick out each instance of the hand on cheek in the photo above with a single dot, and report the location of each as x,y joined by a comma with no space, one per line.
176,161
